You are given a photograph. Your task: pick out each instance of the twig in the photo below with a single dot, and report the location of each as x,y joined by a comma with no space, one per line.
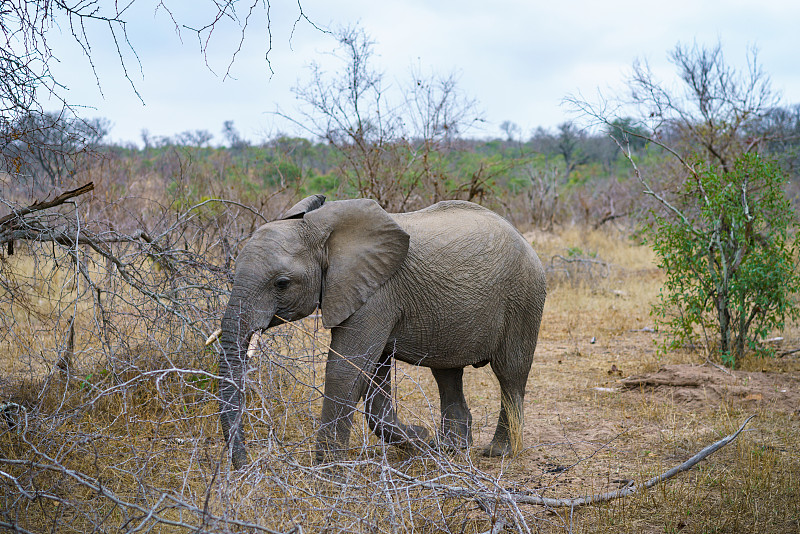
499,521
499,525
721,368
788,352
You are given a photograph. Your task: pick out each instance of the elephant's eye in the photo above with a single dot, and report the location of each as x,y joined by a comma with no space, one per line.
282,282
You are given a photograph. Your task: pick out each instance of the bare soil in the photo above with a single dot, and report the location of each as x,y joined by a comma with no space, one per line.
701,386
594,411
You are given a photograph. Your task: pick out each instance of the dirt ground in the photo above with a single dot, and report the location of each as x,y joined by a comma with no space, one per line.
604,408
590,404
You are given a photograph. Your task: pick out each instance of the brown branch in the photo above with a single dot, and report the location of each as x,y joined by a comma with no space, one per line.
609,218
38,206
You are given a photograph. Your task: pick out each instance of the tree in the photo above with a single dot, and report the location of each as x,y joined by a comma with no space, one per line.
722,233
391,145
728,255
718,111
781,129
511,129
43,149
232,136
569,144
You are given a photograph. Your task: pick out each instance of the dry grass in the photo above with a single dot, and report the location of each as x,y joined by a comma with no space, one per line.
121,447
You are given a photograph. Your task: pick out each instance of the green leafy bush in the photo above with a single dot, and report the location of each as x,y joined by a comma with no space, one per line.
726,248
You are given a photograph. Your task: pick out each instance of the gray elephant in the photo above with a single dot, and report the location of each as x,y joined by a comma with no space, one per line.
445,287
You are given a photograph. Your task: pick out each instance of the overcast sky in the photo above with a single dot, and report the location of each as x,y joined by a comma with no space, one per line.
518,59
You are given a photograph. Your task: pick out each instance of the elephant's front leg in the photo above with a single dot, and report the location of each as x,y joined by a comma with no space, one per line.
344,383
381,414
352,361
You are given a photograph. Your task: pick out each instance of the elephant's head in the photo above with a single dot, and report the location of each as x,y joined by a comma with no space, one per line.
333,255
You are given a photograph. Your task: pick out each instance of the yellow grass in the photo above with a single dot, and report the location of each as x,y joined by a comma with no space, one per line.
147,434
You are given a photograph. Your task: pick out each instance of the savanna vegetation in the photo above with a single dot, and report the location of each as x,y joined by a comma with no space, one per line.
117,262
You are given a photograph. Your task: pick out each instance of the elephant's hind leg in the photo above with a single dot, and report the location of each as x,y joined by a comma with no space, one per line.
381,415
508,434
456,417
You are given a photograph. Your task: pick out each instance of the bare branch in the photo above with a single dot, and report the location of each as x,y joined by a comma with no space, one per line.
39,206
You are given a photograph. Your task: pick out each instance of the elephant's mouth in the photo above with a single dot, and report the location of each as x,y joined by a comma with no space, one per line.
254,336
276,320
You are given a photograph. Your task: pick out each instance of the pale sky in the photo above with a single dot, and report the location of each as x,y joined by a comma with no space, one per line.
518,59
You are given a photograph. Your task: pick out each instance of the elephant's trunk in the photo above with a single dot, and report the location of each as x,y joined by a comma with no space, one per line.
234,340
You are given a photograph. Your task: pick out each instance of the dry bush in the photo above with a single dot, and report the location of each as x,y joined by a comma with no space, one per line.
110,413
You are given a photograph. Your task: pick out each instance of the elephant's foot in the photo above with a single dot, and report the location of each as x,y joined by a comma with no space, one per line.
412,436
330,447
495,448
455,436
451,444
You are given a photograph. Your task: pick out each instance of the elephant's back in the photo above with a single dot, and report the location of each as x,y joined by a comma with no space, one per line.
461,233
448,210
470,281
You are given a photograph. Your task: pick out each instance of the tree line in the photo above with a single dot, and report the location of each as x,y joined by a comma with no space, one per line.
565,174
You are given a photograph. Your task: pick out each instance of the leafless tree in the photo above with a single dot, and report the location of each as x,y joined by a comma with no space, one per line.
43,150
511,129
719,109
718,113
392,146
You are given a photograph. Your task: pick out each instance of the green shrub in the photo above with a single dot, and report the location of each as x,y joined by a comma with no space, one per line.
729,258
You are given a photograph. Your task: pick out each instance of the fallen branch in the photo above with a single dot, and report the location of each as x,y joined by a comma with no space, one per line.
481,497
631,489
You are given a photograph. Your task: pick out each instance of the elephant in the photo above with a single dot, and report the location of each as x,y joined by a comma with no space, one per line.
445,287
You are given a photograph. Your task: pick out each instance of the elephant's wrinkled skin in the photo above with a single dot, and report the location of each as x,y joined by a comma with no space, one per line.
444,287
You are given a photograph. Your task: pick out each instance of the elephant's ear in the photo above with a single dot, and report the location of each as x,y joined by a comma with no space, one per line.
304,206
365,247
